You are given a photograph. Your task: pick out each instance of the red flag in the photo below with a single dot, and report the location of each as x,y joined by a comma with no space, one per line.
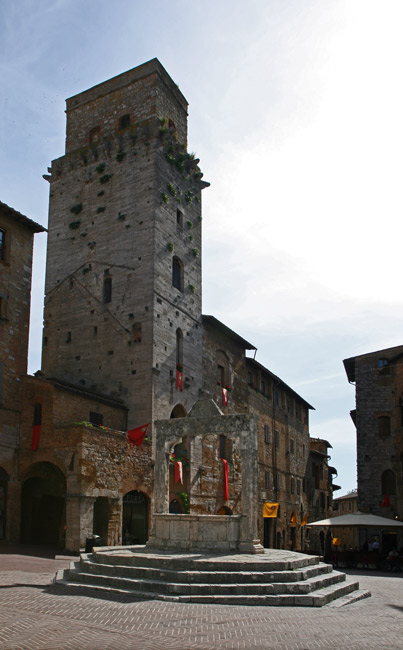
178,472
36,432
386,501
137,435
179,380
225,396
225,467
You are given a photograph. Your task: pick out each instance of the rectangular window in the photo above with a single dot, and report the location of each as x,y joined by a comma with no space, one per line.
96,418
267,479
267,433
277,439
2,244
384,425
292,446
384,367
298,487
292,485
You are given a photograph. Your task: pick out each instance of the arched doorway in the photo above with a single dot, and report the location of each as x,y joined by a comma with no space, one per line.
43,505
4,478
135,518
178,411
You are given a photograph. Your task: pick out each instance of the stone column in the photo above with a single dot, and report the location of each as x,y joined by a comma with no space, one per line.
115,522
249,541
79,520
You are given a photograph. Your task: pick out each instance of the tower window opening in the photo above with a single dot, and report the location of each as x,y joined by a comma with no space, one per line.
179,219
107,293
177,273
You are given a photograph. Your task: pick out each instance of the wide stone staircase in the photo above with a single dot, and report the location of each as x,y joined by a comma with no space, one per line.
273,578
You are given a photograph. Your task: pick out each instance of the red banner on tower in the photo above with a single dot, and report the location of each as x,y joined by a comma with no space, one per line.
179,380
225,396
225,468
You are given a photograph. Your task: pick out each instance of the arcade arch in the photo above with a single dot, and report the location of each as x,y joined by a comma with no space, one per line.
43,507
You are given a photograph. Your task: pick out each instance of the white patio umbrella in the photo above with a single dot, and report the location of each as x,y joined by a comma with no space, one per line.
359,519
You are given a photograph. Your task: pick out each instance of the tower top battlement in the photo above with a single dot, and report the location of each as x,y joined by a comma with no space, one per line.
140,93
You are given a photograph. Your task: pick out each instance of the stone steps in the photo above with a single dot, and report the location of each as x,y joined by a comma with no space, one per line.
205,588
211,577
274,578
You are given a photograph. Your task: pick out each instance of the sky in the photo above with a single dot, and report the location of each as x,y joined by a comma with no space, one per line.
295,113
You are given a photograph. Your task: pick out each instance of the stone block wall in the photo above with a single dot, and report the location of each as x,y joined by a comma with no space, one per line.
95,461
379,394
15,292
122,206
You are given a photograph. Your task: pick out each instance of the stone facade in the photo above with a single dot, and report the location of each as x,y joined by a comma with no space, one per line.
378,417
124,217
125,344
16,243
90,466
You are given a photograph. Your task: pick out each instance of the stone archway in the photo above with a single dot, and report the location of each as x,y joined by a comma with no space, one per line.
43,508
136,506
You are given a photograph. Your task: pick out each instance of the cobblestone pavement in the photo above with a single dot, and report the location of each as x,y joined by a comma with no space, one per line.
35,614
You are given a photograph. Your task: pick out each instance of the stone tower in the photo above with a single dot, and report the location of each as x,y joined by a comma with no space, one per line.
123,275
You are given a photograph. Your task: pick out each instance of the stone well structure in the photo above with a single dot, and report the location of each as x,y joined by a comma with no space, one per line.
206,532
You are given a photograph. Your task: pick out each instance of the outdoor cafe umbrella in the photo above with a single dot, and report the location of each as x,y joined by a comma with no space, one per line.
359,519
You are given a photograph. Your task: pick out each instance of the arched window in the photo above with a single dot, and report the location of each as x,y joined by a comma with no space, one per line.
177,273
388,480
179,347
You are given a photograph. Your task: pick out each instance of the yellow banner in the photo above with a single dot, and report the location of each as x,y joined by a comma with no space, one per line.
270,509
304,520
293,520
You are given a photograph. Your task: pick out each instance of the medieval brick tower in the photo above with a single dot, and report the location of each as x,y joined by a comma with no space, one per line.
123,278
